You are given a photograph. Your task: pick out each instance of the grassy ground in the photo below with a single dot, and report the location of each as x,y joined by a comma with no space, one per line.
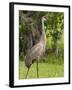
46,70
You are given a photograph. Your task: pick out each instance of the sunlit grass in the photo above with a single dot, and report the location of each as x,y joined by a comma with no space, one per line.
46,70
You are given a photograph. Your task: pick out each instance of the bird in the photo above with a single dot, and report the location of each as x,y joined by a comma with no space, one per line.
35,53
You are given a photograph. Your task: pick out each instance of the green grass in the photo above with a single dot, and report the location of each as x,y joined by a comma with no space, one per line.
46,70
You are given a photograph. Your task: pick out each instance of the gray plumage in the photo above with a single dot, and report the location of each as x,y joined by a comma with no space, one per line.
37,50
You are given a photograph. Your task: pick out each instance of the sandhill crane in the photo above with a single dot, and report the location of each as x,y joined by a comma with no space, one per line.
37,50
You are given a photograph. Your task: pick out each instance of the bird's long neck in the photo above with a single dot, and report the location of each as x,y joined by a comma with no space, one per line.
43,36
43,31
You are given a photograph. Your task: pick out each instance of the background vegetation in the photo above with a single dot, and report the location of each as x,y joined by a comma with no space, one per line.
52,63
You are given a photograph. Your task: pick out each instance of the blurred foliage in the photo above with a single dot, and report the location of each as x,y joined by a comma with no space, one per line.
30,31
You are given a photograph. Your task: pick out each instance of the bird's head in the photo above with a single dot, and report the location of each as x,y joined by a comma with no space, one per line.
45,18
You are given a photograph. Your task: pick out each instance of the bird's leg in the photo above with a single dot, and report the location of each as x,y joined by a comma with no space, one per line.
37,70
27,73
